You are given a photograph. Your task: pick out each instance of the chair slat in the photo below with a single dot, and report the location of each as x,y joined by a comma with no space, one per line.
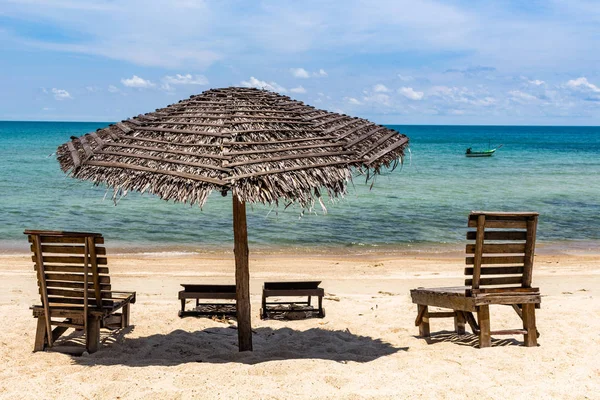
68,249
499,235
74,285
76,293
497,260
77,301
496,270
500,224
74,277
71,268
498,248
505,291
68,260
58,239
496,281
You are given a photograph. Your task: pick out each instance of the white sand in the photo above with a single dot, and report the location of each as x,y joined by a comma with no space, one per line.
366,347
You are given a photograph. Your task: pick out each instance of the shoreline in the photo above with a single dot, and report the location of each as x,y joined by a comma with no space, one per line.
450,250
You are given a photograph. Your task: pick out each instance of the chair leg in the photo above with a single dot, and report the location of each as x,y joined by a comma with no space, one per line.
321,313
483,316
459,322
40,334
264,308
529,324
92,336
125,316
471,321
424,325
182,307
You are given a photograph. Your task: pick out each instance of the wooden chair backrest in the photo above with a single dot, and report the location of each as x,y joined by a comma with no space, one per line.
60,261
501,254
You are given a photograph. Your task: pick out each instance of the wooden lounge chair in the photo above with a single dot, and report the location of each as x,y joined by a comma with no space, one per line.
291,289
207,292
499,269
75,287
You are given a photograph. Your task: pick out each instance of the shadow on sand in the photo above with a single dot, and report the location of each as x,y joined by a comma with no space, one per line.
467,340
219,345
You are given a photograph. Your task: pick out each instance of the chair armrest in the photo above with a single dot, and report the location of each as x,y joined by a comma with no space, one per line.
128,297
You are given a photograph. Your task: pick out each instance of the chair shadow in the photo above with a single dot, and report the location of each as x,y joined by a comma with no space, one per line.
219,345
74,342
468,339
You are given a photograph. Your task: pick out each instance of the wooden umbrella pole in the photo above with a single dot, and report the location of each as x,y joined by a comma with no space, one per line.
242,274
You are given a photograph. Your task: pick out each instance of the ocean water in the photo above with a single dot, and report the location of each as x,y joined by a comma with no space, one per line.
422,205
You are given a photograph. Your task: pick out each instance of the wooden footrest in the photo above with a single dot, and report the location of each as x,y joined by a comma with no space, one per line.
306,289
206,292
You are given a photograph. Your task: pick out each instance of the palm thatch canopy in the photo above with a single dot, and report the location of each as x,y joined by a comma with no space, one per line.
261,144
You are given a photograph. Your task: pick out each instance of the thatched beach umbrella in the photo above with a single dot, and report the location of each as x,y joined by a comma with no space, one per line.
260,146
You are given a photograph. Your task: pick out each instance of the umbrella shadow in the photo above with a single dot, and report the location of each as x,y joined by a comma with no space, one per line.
470,340
219,345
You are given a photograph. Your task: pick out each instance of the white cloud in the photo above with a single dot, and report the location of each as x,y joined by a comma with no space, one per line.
377,98
92,89
583,89
582,84
536,82
304,74
298,89
167,88
453,94
272,86
137,82
61,94
462,95
186,79
300,73
352,100
410,93
380,88
522,97
406,78
113,89
485,102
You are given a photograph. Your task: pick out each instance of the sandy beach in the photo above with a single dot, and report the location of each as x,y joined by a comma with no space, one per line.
366,347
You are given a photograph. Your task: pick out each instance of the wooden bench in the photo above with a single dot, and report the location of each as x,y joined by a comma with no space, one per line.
291,289
74,287
214,292
499,271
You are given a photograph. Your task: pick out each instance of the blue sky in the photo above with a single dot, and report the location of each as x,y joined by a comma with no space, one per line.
404,62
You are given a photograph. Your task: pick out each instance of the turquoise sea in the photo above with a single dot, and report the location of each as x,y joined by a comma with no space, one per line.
421,206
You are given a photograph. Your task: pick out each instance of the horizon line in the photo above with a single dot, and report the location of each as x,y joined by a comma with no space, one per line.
385,124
